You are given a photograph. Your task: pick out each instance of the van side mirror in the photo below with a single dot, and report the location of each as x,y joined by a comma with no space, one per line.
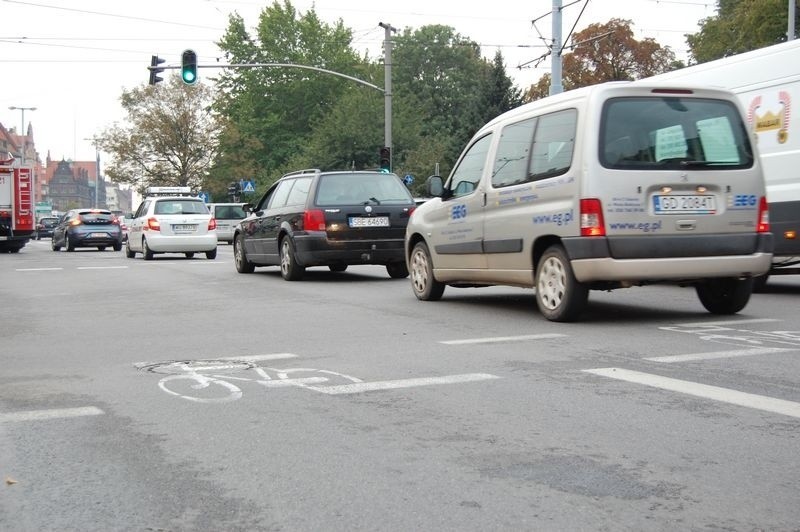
247,207
434,186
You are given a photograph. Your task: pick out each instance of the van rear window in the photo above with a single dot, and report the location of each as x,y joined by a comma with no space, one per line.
673,133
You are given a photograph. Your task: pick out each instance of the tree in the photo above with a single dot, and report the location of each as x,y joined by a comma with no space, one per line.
740,26
452,89
271,111
607,52
169,138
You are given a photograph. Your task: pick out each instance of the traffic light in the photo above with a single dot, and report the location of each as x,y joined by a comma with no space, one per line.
386,159
155,70
189,67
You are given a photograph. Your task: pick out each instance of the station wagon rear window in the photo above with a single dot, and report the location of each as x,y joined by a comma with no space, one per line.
341,189
658,133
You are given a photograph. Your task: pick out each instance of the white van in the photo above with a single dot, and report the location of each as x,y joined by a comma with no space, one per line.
227,216
767,83
604,187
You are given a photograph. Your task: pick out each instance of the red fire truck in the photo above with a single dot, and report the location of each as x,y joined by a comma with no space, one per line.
16,206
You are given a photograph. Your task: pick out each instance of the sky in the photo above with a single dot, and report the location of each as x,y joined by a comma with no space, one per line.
72,59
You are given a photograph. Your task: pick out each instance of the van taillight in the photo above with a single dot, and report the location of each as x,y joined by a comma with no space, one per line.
592,218
763,216
314,220
153,224
212,224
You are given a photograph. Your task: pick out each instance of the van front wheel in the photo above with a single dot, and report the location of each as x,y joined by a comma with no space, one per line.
725,296
559,296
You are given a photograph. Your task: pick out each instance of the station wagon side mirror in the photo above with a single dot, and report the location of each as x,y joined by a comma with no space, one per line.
434,186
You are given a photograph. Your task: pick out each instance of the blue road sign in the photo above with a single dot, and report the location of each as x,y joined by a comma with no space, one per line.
248,187
408,179
205,196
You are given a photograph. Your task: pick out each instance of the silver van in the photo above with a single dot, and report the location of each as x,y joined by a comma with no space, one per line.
227,216
610,186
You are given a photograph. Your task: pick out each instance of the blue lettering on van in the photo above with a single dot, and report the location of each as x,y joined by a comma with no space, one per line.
743,201
644,227
458,212
559,218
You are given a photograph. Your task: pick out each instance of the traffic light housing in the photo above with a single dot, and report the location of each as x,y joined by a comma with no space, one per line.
155,70
386,159
189,67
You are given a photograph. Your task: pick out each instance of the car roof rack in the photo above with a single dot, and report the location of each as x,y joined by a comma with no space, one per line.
301,172
168,191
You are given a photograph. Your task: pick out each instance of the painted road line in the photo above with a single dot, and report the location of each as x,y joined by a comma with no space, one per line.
242,358
726,322
38,415
725,395
102,267
257,358
360,387
720,354
38,269
500,339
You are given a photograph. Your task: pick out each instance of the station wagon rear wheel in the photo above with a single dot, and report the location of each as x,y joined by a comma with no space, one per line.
725,296
559,296
147,254
290,270
423,284
397,270
240,256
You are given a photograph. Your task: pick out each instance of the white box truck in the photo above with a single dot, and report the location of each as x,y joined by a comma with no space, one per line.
767,83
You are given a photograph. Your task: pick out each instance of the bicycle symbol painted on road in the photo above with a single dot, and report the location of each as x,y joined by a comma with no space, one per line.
219,380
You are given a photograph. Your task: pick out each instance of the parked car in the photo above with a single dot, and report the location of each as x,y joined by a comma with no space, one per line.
605,187
227,216
45,226
85,228
171,220
334,219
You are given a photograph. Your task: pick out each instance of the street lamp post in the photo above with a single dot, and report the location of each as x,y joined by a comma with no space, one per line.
25,147
96,171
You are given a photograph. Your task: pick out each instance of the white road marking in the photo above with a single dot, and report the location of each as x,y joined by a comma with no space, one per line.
498,339
725,395
360,387
38,269
38,415
102,267
726,322
256,358
720,354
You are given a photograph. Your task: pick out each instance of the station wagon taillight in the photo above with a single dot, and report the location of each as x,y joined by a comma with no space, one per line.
153,225
592,218
763,216
314,220
212,224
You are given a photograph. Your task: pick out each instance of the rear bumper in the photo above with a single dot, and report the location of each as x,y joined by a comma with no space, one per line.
655,258
181,243
312,251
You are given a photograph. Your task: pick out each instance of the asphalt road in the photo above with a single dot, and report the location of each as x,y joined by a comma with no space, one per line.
177,394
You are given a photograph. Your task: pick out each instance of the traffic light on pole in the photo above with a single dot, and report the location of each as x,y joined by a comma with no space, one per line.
189,67
386,159
155,70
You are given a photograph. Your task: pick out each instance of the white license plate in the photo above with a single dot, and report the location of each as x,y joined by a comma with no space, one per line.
371,221
184,228
98,235
684,204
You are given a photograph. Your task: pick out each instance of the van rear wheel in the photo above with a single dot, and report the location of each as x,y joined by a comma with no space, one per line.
559,296
725,296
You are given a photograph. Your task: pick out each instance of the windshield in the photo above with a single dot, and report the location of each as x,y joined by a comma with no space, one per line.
351,188
229,212
180,206
673,133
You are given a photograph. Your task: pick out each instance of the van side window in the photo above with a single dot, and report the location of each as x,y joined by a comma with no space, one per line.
513,154
467,175
553,144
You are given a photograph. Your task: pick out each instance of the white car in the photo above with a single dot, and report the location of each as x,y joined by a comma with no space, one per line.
171,224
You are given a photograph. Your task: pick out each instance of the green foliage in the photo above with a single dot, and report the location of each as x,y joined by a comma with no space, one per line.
273,110
169,138
607,52
740,26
